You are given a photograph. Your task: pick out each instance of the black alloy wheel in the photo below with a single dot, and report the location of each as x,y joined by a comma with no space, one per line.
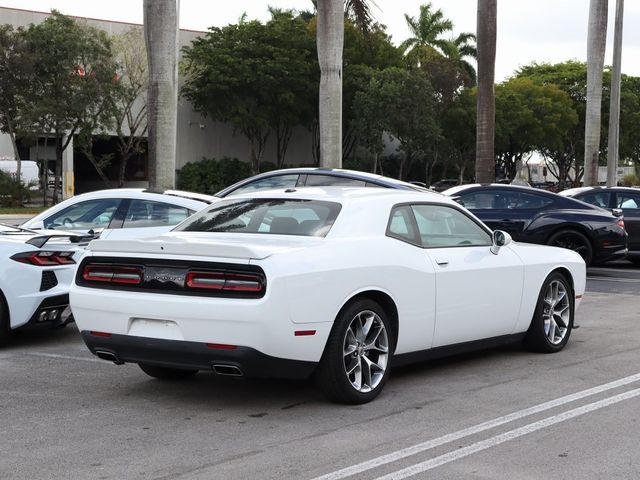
573,240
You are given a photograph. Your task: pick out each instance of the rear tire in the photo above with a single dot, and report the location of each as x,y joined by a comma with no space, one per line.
5,329
553,317
166,373
356,361
573,240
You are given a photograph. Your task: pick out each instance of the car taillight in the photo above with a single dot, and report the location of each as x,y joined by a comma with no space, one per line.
225,281
45,258
620,223
112,274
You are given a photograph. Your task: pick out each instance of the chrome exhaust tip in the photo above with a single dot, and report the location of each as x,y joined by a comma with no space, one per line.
109,356
227,370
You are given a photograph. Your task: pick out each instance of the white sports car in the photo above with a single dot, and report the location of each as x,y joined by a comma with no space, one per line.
340,283
36,269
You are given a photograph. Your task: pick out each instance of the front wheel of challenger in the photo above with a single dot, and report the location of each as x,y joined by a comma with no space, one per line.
356,361
553,317
166,373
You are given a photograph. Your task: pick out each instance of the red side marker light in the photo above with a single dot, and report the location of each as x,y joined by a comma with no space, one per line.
222,346
304,333
100,334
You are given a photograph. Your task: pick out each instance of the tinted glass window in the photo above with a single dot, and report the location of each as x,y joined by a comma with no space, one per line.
401,226
270,216
503,200
84,215
145,213
628,200
277,181
442,226
328,181
599,199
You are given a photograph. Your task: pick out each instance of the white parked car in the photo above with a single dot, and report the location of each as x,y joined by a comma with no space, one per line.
122,212
36,269
340,283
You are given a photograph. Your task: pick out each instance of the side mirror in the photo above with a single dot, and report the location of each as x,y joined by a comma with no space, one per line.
37,225
500,239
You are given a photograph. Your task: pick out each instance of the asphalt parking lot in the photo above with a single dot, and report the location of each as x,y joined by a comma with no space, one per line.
502,413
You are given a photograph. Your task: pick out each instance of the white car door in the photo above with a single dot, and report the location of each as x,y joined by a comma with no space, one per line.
478,293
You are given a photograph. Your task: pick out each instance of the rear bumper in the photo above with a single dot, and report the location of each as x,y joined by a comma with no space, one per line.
607,254
195,355
52,311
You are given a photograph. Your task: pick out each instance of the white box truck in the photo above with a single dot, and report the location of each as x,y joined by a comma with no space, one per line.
28,171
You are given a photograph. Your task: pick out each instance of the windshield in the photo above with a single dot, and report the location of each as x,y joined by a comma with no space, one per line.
312,218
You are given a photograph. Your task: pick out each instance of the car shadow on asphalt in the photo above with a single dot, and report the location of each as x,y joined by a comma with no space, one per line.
40,336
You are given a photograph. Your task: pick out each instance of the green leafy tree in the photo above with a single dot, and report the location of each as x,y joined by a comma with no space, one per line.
16,76
571,77
529,117
129,100
255,76
73,79
406,106
458,125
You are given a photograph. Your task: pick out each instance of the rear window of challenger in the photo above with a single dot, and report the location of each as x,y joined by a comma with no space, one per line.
311,218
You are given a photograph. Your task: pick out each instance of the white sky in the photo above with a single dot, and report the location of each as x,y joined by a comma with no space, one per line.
528,30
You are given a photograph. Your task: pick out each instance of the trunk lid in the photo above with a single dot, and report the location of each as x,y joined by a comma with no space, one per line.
206,244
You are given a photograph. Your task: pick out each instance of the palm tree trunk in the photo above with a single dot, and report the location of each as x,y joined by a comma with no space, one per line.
596,43
161,38
330,37
485,130
614,109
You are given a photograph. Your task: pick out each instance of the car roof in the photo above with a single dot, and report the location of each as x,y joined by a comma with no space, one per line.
336,172
578,190
345,194
460,188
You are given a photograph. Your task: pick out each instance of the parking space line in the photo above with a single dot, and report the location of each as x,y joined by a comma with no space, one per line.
610,279
507,436
496,422
65,357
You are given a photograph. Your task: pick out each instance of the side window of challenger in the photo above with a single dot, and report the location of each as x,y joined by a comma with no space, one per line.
401,226
444,226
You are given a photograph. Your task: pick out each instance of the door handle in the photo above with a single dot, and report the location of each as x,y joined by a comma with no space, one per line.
442,261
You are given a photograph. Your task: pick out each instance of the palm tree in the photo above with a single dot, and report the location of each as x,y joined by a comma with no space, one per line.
458,49
330,39
596,43
485,127
614,109
161,38
427,29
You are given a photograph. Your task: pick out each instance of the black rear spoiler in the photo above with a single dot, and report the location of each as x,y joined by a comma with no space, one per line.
41,240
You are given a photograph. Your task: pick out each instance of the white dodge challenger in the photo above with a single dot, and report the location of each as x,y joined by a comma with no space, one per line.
339,283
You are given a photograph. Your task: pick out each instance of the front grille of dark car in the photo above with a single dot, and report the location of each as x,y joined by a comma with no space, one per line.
48,280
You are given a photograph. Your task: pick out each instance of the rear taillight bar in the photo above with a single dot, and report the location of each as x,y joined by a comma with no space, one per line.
225,281
118,274
42,258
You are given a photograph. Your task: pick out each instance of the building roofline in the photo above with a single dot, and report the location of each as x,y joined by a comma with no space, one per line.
120,22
